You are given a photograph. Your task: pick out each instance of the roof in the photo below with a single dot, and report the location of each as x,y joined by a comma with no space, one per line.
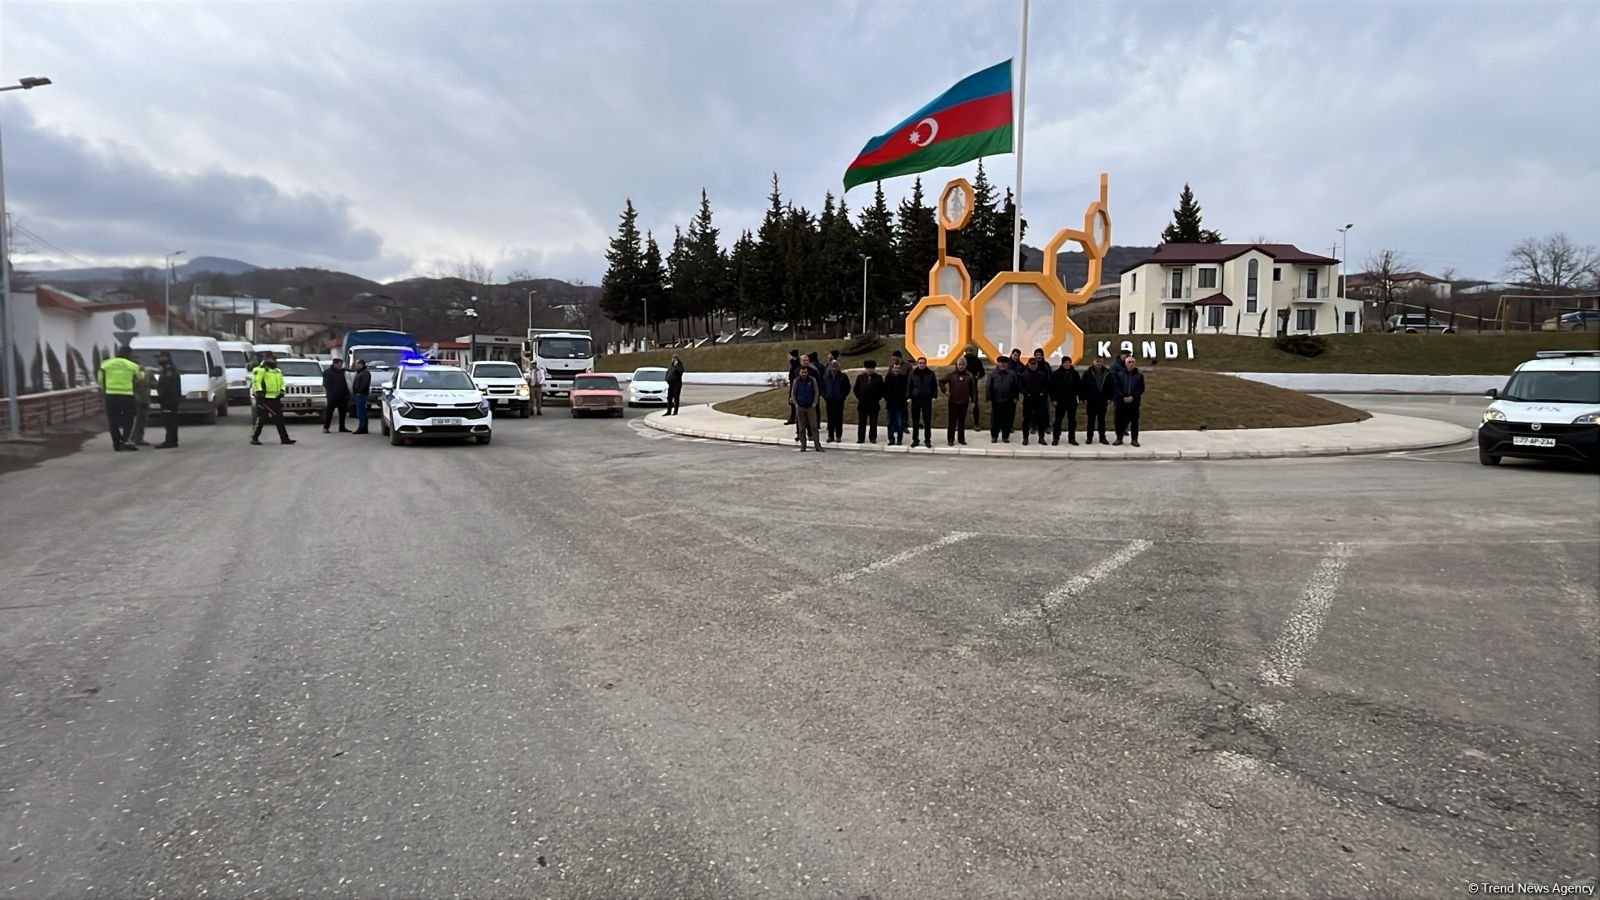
1214,300
1188,254
1362,279
59,299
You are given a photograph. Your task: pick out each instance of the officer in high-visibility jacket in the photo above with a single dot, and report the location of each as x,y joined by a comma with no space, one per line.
266,384
120,378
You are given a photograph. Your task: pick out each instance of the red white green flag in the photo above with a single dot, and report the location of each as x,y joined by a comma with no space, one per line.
969,121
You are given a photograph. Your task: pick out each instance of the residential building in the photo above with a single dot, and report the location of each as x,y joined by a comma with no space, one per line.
1249,289
1369,285
308,331
59,337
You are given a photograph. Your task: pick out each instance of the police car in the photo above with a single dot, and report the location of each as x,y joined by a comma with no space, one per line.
426,401
1549,409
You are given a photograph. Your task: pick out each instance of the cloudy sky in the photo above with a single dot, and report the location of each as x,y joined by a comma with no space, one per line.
395,138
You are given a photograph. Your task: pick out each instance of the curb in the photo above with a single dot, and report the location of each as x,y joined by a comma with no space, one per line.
653,420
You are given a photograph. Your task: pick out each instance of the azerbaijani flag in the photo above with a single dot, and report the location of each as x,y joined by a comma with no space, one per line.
971,120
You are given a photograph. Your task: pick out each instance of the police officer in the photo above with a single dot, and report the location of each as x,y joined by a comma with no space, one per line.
169,391
266,384
120,378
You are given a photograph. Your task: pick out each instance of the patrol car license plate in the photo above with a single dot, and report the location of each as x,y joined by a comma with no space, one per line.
449,422
1533,442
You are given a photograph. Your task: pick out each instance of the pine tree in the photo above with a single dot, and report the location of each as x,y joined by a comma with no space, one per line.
841,263
983,245
653,279
916,241
876,229
1185,227
767,263
741,277
1007,225
620,295
799,245
678,278
702,289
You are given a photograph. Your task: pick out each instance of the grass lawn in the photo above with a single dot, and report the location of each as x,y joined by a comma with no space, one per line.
1400,354
1175,400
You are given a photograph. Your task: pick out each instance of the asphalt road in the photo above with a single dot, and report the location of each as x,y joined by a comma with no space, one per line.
591,661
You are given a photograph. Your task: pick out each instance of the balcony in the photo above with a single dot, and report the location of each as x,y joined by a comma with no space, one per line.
1168,295
1301,295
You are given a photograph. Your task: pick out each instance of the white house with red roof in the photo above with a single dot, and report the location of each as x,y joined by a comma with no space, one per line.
1248,289
59,338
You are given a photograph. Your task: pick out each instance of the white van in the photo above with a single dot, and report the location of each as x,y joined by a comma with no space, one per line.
199,362
1549,409
281,351
237,358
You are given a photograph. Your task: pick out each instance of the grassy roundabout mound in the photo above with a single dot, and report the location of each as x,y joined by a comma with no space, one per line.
1175,400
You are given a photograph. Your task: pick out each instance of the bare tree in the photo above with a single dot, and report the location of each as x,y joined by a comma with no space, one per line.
1383,285
1553,262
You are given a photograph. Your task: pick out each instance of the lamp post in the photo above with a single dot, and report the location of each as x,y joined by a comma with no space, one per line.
8,372
531,292
865,259
1344,253
644,343
170,256
471,312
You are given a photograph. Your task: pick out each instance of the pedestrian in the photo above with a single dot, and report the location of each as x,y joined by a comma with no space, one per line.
1131,390
975,369
1015,365
898,357
895,385
169,393
869,396
674,384
1065,386
535,385
804,396
1004,387
1098,389
338,394
1035,385
120,378
962,390
267,387
794,370
1038,353
360,388
833,357
922,386
835,388
141,408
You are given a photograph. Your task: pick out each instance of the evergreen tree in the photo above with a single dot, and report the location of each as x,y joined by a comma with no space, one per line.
1007,226
768,260
741,277
916,241
799,246
1185,227
653,280
678,276
704,289
876,230
841,263
620,289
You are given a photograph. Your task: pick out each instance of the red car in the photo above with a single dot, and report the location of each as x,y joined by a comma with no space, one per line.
596,394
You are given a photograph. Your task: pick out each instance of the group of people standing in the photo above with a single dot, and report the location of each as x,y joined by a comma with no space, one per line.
125,386
1032,382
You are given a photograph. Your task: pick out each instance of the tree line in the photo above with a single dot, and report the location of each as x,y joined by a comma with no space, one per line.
799,266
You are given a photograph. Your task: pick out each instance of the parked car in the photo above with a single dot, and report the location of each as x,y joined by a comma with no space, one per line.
596,395
1414,323
503,384
1574,320
648,385
303,391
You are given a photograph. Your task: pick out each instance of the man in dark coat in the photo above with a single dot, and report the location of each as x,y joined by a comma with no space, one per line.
1065,387
794,368
803,398
922,386
975,369
1098,389
869,395
1002,395
169,394
963,390
674,384
360,388
895,385
338,391
1035,380
1131,390
835,388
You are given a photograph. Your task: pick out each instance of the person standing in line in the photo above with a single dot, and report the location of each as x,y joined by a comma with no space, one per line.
1016,363
1038,353
794,369
338,393
267,387
835,390
895,385
120,377
962,389
1035,384
1098,389
869,395
1065,386
922,386
1002,396
141,409
360,389
169,393
1130,391
674,384
804,395
975,369
833,357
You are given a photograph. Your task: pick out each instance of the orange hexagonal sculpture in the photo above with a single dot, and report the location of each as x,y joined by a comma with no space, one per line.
1024,310
949,277
938,327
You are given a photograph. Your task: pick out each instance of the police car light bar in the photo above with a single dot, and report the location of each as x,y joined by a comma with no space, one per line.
1564,354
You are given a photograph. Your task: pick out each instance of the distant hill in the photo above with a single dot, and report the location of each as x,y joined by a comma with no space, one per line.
1074,265
200,265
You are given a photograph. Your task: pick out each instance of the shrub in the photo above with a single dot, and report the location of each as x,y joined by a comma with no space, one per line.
861,344
1301,344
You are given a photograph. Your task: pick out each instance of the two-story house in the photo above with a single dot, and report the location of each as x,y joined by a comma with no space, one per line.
1250,289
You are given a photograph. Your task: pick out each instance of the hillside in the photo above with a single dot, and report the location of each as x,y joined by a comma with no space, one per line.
1074,264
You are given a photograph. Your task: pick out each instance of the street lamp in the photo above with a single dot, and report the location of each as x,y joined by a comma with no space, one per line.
865,259
531,292
1344,254
170,257
472,345
8,372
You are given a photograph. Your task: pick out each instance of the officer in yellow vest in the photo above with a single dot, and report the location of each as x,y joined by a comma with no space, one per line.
120,378
266,384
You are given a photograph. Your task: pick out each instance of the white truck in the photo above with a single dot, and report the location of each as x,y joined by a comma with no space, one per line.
561,354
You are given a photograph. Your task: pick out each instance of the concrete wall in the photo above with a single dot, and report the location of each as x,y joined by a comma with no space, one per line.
58,345
1333,383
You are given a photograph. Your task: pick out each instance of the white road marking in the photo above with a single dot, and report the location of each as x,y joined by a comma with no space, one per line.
1304,625
954,537
1079,583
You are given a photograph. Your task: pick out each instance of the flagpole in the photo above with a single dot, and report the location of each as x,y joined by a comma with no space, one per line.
1016,207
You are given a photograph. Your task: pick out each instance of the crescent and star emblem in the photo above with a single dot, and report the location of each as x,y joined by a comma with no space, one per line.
916,137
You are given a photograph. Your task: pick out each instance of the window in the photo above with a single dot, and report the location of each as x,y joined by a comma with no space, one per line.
1133,322
1253,279
1134,288
1215,316
1305,320
1277,273
288,331
1177,284
1250,304
1311,283
1174,319
1207,278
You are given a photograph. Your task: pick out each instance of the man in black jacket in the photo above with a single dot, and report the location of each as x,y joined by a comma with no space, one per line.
360,388
975,369
794,369
338,391
1035,398
869,394
1098,389
169,393
835,387
1002,396
674,384
895,385
1131,386
1065,387
922,387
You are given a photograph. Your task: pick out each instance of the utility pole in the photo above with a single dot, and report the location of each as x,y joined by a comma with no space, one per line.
7,326
865,259
168,302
